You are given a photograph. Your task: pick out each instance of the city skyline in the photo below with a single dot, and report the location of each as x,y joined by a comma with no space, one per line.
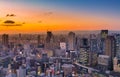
30,16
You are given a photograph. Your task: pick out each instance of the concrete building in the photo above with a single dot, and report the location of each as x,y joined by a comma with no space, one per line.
71,41
5,39
104,62
63,46
110,48
84,56
67,69
116,64
117,38
49,36
103,36
21,72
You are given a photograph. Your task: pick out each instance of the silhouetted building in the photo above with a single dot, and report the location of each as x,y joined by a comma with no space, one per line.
49,36
38,39
71,41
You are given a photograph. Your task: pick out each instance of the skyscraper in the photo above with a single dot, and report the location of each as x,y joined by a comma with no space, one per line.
71,41
93,43
103,34
5,39
84,52
38,39
49,36
117,38
110,48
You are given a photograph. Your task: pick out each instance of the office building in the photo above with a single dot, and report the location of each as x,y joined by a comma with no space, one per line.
21,72
110,47
104,34
49,36
5,39
116,64
71,41
63,46
117,38
104,63
84,56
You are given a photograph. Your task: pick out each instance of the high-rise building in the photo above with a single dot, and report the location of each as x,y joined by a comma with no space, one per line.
38,39
84,51
110,48
84,42
103,36
117,38
5,39
104,63
71,41
93,58
84,56
49,36
104,33
93,43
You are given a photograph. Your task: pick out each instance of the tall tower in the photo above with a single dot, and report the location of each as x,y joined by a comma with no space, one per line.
117,38
104,34
71,41
38,39
5,39
84,51
49,36
110,48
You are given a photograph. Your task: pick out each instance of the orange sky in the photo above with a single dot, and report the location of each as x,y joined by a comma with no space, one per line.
49,19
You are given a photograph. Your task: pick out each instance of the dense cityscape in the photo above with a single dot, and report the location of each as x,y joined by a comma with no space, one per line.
60,55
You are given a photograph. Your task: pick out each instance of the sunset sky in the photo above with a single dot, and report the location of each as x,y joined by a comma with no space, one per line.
55,15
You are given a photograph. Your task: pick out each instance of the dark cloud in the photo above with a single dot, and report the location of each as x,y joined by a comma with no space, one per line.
48,13
23,23
10,15
10,23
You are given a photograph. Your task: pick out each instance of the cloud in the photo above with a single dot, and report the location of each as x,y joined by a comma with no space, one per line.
39,21
23,23
48,13
10,23
10,15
